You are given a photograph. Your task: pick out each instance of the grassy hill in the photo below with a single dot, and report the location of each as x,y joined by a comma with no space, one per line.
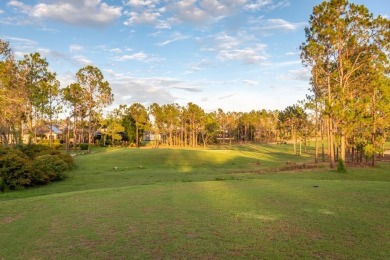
224,202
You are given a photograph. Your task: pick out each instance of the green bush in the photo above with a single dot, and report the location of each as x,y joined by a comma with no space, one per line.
15,170
341,166
32,165
34,150
48,168
68,159
54,143
84,147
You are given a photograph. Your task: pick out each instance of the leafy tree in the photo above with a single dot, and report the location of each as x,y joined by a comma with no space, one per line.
37,75
96,94
13,97
342,41
156,111
194,116
222,122
51,108
170,116
140,115
72,97
231,124
114,128
209,127
294,119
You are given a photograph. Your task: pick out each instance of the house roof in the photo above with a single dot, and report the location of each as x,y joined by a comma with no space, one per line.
55,130
45,129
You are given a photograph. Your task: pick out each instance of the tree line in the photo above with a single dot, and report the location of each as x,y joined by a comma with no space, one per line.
347,111
30,95
347,50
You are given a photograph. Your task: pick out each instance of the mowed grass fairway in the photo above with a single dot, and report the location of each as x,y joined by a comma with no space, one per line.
207,204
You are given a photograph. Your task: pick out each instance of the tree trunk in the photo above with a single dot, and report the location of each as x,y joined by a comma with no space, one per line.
89,136
330,143
343,146
300,146
67,135
294,139
75,132
136,136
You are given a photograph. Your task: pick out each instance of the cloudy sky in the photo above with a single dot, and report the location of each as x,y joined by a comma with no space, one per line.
237,55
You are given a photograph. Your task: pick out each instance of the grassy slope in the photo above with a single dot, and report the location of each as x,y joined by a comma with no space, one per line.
173,207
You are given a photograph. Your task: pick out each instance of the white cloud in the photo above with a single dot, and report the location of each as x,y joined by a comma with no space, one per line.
281,24
197,66
16,4
188,11
23,41
291,53
116,50
280,4
149,90
1,11
75,48
227,96
256,5
21,46
217,8
227,42
112,73
265,4
176,37
139,56
203,11
20,54
143,3
276,24
300,74
82,60
247,55
75,12
251,82
242,47
164,14
147,17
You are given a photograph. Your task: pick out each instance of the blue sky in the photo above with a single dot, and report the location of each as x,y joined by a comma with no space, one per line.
237,55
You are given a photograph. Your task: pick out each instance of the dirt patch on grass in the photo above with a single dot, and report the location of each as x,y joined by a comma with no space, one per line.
8,219
289,166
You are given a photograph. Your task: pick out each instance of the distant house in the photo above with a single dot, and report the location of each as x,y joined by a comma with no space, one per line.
43,132
148,136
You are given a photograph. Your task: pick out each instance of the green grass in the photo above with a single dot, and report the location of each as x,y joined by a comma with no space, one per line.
185,203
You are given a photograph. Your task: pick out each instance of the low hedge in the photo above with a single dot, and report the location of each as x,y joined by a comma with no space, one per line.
32,165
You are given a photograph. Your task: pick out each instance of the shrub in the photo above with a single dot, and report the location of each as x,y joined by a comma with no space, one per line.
54,143
48,168
34,150
369,151
341,167
32,165
68,159
84,147
15,170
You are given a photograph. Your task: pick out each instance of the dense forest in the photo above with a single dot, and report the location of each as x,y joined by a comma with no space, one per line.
346,112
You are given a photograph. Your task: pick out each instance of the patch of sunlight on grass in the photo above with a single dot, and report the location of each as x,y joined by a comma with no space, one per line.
220,156
113,149
252,215
185,168
326,212
322,211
